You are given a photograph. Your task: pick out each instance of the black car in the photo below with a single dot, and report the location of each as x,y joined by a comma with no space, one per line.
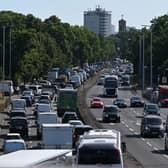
69,116
19,125
120,103
78,131
111,113
151,108
136,101
28,99
151,125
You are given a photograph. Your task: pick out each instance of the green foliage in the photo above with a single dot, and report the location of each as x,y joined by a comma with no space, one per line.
39,45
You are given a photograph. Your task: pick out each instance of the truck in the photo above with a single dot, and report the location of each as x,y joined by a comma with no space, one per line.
161,95
45,118
66,101
6,87
57,136
31,157
111,86
52,76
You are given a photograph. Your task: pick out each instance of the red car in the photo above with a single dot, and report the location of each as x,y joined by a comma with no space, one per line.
96,102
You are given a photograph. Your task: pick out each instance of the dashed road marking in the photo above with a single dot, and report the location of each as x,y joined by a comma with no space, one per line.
149,144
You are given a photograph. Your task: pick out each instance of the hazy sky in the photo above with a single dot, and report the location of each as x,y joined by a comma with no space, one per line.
136,12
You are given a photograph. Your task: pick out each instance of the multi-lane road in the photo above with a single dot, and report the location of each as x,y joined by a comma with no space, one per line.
149,152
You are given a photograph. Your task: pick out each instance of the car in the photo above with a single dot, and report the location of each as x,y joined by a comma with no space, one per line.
69,116
13,136
152,125
136,101
100,81
120,102
12,145
28,99
17,113
151,108
75,122
19,125
41,107
78,131
96,102
111,113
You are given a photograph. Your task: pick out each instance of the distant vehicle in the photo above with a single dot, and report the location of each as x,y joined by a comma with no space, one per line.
36,89
78,131
162,95
17,113
111,113
166,135
69,116
40,108
28,100
151,125
18,104
19,125
76,79
57,136
66,101
45,118
96,102
111,85
151,108
120,102
75,122
100,81
136,101
12,136
6,87
13,145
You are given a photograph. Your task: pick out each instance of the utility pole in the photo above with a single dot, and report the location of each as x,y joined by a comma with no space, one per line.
143,61
10,53
3,69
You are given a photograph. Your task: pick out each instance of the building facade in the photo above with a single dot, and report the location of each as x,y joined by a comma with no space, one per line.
99,21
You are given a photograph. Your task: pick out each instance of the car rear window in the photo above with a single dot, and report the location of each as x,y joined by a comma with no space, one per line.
98,156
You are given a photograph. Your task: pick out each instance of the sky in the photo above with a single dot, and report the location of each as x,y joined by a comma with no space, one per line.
136,12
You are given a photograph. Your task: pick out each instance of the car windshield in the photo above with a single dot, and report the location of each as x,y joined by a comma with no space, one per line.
111,109
136,98
120,100
154,121
95,99
152,108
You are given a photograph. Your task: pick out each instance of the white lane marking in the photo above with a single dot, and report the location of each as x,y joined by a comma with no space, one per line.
149,144
136,133
111,124
122,122
126,125
155,148
138,124
142,139
131,129
166,156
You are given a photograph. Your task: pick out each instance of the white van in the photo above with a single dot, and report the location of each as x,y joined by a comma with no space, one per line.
18,104
100,147
76,78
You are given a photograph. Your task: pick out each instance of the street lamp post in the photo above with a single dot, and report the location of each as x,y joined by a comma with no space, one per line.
151,56
3,69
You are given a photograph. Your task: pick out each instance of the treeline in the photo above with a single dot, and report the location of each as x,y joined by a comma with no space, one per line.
129,44
33,46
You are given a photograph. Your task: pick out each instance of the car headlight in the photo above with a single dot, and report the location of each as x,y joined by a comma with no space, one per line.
162,127
147,128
